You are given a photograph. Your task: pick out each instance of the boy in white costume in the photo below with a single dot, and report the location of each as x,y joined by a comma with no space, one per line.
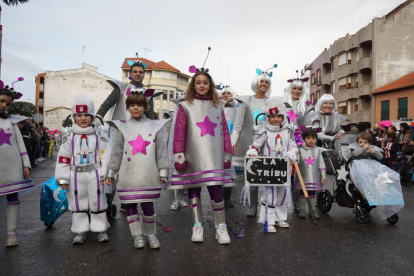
78,170
277,137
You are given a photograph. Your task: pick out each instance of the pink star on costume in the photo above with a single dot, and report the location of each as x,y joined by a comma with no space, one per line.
4,138
292,115
308,102
207,127
309,160
139,145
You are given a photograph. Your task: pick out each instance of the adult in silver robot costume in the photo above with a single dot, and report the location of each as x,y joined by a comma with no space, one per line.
14,162
326,117
78,170
244,131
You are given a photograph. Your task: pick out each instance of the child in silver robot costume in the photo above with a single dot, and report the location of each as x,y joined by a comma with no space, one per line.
312,168
78,170
14,162
277,137
139,156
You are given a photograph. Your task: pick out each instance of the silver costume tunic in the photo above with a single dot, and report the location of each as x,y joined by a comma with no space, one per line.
204,146
330,124
243,134
301,119
312,168
139,154
13,157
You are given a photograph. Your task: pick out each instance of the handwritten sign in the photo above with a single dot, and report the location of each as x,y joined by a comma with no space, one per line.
266,171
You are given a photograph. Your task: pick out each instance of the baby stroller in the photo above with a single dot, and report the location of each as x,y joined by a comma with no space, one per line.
53,202
354,187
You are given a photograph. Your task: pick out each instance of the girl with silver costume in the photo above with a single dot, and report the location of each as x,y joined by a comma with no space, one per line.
312,168
277,138
326,117
244,132
139,157
14,162
202,150
78,171
231,107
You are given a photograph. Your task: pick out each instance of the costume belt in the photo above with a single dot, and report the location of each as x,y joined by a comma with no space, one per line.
85,168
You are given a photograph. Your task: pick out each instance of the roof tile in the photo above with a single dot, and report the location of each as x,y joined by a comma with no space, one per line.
403,82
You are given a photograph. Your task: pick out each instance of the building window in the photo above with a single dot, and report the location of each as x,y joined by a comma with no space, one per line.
402,108
342,59
318,76
126,73
342,82
165,94
349,57
356,106
171,95
342,107
356,79
313,99
357,55
333,64
313,78
333,87
318,94
385,110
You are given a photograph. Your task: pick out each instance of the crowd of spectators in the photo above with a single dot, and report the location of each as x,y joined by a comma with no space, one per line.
38,141
398,146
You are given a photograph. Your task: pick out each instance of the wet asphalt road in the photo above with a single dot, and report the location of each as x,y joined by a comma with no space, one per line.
339,245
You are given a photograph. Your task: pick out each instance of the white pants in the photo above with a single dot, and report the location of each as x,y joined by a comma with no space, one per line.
277,205
85,194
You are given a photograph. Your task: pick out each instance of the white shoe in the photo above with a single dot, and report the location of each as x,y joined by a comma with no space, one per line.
139,241
153,241
197,234
182,202
103,237
79,238
271,228
175,205
282,224
222,235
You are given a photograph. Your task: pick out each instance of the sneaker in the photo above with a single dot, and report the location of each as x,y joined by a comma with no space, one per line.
122,208
153,241
282,224
317,216
139,241
222,235
12,240
175,205
197,234
182,202
79,238
103,237
252,212
302,214
271,228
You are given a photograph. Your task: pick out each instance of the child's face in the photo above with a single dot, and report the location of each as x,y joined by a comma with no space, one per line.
400,156
363,143
83,120
136,111
202,85
276,120
5,102
310,141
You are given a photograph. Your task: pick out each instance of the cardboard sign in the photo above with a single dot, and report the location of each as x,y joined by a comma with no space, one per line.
266,171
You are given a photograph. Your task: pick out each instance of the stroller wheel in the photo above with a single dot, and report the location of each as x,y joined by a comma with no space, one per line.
111,211
325,201
393,219
49,225
363,216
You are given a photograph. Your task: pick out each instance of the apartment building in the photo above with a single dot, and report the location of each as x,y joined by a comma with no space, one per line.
356,65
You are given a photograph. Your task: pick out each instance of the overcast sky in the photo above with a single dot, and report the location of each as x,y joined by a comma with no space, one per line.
244,35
